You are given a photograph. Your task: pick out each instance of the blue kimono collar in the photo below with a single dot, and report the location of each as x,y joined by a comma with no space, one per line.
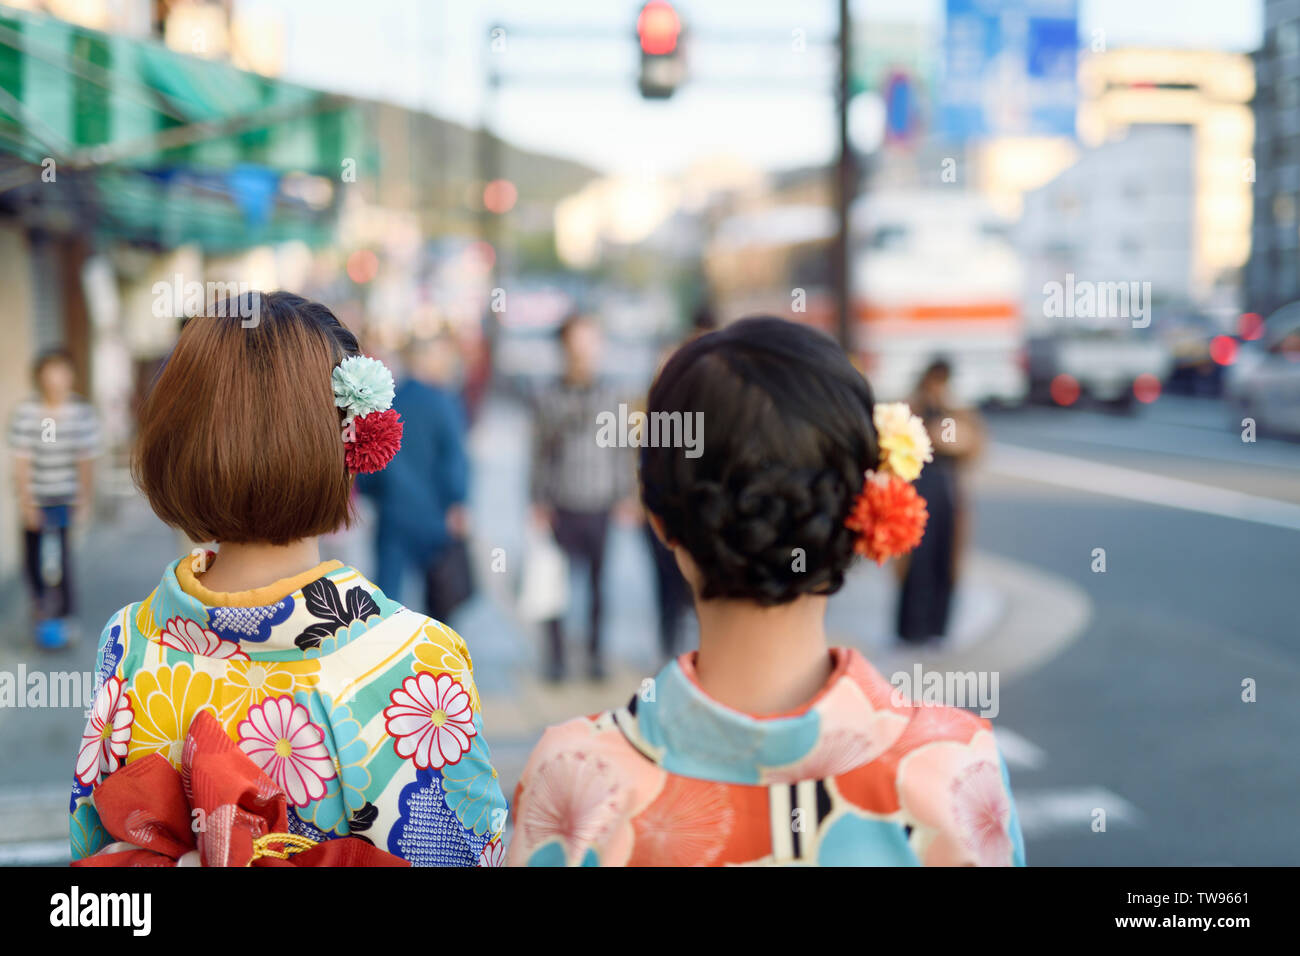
673,722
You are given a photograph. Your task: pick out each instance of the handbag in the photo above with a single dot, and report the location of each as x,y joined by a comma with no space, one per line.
450,579
544,584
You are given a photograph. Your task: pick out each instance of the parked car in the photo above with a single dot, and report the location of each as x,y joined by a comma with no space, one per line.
1188,335
1263,382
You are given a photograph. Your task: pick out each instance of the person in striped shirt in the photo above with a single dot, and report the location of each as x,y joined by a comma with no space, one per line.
54,437
575,484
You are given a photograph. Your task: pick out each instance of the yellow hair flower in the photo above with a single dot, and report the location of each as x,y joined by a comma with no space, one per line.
904,443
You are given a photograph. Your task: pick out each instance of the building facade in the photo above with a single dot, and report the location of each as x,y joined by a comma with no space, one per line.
1273,275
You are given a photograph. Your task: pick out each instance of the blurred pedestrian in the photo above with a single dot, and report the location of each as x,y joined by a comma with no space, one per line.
575,484
421,519
767,723
363,714
54,437
930,573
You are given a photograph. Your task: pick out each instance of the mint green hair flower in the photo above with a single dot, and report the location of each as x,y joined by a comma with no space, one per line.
362,385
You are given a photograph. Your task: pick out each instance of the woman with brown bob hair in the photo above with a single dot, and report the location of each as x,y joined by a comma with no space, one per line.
359,718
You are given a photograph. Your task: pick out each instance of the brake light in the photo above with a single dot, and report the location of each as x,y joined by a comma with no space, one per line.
1146,388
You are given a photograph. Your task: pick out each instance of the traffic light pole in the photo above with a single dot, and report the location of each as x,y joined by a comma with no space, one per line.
489,161
845,189
845,170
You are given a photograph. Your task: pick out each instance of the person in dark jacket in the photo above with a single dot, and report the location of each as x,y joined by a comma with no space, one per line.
420,496
930,572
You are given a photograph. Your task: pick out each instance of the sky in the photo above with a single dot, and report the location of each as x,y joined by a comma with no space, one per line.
749,94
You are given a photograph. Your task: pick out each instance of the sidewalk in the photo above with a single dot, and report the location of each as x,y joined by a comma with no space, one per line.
120,559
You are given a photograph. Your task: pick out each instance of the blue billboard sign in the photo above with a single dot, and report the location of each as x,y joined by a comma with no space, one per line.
1010,68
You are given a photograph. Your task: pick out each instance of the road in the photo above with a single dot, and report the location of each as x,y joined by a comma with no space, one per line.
1144,714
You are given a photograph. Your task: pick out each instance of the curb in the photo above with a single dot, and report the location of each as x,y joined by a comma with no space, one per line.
1042,615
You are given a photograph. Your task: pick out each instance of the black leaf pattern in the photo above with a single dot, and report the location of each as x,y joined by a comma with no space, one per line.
323,600
363,818
361,605
313,634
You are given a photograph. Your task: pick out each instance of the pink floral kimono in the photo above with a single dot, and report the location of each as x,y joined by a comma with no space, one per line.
856,777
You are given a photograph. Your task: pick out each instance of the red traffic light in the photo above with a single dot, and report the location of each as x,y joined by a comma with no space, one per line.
658,28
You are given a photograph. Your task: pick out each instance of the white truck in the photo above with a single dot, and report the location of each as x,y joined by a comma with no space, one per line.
933,275
1098,364
937,276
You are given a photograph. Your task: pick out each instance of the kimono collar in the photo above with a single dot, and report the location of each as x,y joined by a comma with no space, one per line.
307,615
189,582
676,724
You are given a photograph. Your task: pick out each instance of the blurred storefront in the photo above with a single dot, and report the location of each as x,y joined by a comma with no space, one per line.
131,174
138,164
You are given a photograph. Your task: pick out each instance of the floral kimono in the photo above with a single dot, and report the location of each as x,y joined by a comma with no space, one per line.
855,777
364,712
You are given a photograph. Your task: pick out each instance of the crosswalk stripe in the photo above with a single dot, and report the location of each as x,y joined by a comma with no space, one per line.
1017,751
1051,810
34,815
24,795
1073,808
35,853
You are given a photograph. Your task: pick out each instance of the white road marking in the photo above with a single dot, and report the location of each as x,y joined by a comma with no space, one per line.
1051,810
1045,811
1017,751
18,796
1079,473
33,824
35,853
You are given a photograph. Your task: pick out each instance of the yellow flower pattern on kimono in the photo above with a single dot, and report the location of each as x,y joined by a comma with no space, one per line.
444,652
165,701
144,622
248,683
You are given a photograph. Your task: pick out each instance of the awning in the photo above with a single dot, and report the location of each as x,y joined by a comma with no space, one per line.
164,147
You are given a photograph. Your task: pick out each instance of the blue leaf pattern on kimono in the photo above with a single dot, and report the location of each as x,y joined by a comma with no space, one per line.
472,789
425,833
248,623
110,653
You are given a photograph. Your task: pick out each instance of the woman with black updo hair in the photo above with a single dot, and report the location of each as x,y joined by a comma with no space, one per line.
768,746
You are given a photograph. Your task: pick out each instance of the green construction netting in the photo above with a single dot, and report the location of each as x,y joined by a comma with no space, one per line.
158,131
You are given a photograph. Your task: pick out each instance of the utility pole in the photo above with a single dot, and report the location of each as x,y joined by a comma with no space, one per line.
845,187
489,163
489,153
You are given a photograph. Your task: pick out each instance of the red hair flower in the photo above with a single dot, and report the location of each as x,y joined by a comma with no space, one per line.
888,516
372,441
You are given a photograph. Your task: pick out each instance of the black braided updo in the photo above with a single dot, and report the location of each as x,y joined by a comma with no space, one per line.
787,435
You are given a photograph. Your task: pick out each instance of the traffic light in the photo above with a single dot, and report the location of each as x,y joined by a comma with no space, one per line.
659,31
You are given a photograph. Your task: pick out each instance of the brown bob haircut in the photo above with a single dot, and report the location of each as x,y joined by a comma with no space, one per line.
240,439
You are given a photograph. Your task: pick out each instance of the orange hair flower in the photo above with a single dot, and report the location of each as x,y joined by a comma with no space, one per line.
888,516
